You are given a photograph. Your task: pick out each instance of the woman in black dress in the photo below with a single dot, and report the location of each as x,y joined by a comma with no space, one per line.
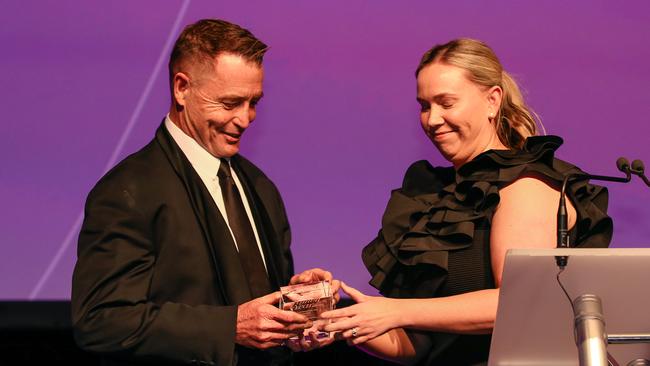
439,255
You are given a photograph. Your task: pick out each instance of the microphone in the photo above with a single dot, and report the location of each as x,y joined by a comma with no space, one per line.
638,169
623,164
562,217
589,325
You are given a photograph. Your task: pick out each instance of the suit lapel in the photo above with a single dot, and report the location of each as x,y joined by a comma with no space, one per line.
231,279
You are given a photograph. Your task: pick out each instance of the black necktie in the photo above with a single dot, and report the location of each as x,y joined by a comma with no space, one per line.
249,252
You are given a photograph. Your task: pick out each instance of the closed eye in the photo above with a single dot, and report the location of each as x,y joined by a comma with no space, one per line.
235,102
424,106
230,106
445,100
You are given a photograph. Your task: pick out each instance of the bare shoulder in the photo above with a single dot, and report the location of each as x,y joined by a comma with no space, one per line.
530,199
526,204
525,218
533,195
528,189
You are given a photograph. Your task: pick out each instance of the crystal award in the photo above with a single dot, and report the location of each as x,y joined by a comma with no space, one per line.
309,299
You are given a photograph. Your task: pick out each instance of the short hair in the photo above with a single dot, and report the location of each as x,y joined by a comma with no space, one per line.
515,120
204,40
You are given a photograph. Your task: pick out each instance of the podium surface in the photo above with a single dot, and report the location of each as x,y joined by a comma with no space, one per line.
534,324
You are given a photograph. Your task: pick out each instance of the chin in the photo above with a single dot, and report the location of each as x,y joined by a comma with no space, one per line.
229,152
448,155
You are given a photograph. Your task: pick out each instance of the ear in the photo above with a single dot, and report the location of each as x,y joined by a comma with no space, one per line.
494,96
181,87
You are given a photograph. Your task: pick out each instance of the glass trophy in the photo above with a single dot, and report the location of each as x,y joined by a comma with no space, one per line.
309,299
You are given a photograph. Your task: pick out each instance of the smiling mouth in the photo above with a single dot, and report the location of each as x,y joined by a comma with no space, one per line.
233,135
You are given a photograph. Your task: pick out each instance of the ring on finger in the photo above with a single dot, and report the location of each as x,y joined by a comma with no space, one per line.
354,332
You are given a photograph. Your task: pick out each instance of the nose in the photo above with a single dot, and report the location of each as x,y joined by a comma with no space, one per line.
245,115
434,119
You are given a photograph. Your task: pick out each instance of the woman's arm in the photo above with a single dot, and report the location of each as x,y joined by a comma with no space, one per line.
469,313
405,347
380,323
525,218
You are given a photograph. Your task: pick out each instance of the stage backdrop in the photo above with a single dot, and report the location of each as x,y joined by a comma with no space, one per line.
84,83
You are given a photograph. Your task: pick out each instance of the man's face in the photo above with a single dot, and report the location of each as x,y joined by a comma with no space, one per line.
219,103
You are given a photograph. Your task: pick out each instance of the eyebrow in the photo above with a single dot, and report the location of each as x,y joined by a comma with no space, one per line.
439,96
238,97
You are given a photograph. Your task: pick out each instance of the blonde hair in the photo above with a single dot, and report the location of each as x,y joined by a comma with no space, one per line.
515,121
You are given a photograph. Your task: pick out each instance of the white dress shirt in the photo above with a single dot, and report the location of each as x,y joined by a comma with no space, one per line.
206,166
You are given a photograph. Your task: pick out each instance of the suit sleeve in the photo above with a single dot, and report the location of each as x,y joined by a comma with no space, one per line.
112,313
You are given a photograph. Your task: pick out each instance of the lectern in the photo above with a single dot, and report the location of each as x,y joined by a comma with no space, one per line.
535,320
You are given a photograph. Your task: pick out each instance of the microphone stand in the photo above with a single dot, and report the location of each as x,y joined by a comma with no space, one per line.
589,322
563,217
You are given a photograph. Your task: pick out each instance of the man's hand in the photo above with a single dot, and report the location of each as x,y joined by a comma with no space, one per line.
262,325
315,275
309,342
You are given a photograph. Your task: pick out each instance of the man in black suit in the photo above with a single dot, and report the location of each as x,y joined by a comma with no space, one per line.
185,241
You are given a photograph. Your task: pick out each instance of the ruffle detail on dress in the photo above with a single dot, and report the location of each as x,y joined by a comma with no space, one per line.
438,209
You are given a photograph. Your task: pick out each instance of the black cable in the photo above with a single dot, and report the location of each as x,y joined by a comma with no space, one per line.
563,289
610,359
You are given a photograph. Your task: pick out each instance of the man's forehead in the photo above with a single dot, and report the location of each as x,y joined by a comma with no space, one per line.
233,65
230,74
223,63
217,90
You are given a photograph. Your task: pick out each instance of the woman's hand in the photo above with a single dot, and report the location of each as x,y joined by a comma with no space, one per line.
371,317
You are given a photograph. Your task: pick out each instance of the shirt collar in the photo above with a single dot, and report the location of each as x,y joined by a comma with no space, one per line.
205,164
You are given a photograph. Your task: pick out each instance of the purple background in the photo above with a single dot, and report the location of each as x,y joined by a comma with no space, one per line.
85,83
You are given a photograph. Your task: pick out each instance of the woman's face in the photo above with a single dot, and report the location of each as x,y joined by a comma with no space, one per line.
456,113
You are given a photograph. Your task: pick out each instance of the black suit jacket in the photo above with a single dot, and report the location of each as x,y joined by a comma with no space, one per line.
158,277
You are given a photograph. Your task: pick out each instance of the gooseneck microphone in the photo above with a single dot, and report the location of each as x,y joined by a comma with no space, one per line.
638,169
589,322
562,217
623,165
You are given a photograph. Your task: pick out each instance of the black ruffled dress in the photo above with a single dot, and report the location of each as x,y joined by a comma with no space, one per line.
435,233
